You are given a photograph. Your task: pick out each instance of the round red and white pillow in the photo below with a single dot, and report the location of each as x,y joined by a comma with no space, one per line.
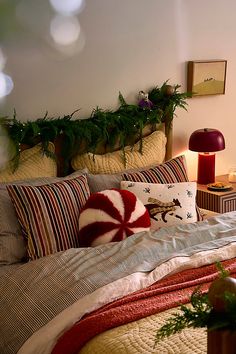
111,215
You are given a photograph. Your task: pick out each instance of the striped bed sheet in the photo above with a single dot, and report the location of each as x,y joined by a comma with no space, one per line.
42,299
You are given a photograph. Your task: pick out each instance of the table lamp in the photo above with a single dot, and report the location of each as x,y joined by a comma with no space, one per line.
206,142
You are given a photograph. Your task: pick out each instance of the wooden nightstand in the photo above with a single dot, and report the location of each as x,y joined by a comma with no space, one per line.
220,202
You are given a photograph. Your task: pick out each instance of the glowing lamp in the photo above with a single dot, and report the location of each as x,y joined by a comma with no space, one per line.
206,142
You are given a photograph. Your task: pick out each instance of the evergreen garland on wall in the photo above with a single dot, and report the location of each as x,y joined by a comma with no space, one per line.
103,126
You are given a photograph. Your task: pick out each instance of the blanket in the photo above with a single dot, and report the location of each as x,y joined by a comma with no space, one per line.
42,299
167,293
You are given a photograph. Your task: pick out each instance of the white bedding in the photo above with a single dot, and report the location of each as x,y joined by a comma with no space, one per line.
43,298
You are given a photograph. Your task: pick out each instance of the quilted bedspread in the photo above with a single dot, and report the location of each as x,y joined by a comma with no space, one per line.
138,338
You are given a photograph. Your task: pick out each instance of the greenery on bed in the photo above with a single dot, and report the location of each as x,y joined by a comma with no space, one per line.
104,126
215,310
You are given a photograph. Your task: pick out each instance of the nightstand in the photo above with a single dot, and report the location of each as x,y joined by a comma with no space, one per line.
220,202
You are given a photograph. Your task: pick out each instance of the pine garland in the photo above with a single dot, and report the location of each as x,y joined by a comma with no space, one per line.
103,126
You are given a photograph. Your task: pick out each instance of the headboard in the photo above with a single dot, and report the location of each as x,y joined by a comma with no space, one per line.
104,131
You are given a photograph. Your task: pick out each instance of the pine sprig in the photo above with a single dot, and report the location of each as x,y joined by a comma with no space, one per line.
196,316
223,273
201,313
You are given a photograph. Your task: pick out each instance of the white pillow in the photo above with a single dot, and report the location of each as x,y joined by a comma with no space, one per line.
168,204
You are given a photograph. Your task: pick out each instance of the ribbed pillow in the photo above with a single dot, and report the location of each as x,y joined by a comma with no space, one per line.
33,164
111,215
49,214
153,152
172,171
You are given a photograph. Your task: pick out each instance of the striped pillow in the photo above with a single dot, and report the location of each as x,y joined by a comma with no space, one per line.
49,214
172,171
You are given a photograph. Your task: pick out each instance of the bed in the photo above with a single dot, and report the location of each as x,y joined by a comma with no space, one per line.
110,296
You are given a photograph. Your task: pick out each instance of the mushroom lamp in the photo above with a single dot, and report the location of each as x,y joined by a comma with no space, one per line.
206,142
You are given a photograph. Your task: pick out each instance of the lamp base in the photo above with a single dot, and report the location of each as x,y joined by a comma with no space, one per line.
206,168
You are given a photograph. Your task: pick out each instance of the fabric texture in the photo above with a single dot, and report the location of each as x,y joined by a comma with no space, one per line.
172,171
167,204
49,214
170,292
13,246
32,164
87,275
153,152
111,215
138,337
101,182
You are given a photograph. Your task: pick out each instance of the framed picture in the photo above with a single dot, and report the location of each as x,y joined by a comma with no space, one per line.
206,77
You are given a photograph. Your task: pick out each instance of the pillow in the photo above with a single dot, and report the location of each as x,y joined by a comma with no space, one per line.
32,164
172,171
48,214
167,204
153,152
98,183
12,243
111,215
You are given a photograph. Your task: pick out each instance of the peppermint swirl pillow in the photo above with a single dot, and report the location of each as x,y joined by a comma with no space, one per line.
110,216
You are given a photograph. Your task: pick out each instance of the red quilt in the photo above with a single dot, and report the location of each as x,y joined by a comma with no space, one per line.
169,292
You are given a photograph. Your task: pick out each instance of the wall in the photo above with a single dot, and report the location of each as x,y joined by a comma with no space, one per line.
127,46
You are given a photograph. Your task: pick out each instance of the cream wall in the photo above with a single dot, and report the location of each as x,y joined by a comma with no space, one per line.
127,46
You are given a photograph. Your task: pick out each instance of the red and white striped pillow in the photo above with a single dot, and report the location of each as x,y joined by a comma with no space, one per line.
111,215
48,214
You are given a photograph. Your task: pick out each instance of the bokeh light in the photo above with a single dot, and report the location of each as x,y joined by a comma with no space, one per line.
65,30
67,7
6,85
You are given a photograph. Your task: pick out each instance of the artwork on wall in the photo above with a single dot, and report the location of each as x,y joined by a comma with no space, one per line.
206,77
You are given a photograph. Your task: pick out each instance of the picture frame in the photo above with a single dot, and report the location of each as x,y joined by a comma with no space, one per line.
206,77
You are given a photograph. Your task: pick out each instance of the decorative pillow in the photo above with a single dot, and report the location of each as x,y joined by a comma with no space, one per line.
169,172
12,243
33,164
153,152
167,204
172,171
49,214
111,215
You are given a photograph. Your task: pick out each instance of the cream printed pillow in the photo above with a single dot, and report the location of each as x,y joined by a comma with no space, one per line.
167,204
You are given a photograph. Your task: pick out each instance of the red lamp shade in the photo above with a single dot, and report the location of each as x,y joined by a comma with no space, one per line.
206,141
